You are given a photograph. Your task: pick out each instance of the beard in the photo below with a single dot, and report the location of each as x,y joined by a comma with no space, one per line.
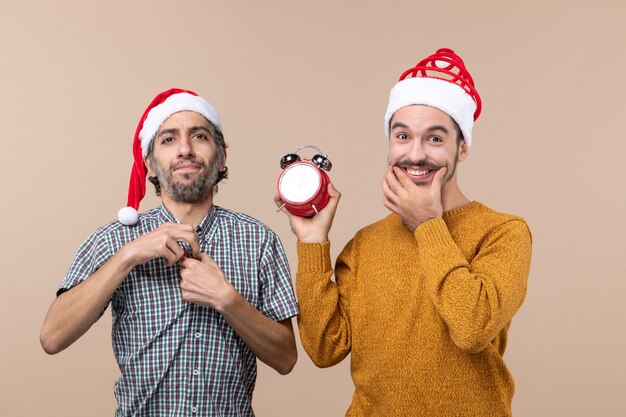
198,190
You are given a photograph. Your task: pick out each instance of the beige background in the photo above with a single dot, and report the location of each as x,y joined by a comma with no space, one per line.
74,79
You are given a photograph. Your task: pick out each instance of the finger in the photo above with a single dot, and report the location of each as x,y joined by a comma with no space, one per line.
392,181
187,233
332,191
334,195
388,194
173,252
389,204
192,240
184,284
214,269
204,257
395,190
184,262
402,178
169,256
438,177
195,245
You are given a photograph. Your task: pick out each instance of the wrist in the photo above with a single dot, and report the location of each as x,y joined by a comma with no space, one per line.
125,259
228,300
314,239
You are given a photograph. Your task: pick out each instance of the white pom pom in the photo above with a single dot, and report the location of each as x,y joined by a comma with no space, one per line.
127,216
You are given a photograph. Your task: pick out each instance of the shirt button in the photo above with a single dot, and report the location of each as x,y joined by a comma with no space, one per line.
194,409
196,372
197,335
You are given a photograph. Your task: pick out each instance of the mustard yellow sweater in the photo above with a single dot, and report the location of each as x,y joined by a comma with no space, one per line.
424,315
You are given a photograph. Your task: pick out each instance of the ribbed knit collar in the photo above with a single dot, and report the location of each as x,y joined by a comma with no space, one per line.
460,210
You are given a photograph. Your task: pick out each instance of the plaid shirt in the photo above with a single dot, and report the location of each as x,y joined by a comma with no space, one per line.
178,358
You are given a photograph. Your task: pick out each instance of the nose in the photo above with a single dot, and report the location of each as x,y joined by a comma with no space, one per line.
185,148
416,151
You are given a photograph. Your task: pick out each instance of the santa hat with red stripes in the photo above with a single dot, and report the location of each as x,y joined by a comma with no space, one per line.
440,81
162,106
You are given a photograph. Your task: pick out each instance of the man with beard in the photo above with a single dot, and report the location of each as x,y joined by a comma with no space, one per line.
198,292
422,299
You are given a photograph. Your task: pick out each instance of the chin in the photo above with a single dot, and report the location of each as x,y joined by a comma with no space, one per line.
422,183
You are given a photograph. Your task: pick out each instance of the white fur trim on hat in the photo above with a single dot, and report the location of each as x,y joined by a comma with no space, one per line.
174,104
448,97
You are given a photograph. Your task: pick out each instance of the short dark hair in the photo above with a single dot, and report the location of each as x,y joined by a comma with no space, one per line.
218,137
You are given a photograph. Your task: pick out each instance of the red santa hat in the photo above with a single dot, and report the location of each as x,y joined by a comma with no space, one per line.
440,81
162,106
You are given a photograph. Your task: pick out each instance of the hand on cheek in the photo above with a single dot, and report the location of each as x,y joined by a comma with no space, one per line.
414,204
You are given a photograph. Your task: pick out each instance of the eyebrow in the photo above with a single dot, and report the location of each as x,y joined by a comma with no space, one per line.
201,128
400,125
438,127
429,130
167,131
192,129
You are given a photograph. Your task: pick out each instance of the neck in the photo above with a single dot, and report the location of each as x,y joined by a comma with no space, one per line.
189,213
452,197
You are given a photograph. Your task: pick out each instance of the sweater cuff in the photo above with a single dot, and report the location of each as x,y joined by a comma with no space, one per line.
314,257
435,232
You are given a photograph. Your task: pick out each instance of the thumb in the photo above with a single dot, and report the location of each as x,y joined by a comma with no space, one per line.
332,191
334,196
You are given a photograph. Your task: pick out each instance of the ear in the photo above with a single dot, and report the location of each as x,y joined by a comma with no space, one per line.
150,172
463,151
223,167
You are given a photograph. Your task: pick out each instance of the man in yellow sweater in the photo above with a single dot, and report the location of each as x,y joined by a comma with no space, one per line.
423,298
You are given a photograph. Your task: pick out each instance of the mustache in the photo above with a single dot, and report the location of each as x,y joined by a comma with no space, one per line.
194,161
424,164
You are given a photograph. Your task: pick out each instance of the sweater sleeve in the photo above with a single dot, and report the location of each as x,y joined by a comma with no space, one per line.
478,299
323,321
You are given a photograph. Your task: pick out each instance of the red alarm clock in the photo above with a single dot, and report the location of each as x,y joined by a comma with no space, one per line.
303,183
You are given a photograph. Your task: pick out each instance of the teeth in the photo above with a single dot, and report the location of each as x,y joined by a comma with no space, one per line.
416,172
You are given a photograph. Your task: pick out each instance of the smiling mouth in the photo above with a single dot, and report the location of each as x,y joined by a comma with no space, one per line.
417,172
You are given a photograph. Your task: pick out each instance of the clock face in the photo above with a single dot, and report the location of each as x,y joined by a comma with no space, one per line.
299,182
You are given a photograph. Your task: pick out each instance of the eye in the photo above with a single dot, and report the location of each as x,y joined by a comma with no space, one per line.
200,136
402,136
167,139
435,139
